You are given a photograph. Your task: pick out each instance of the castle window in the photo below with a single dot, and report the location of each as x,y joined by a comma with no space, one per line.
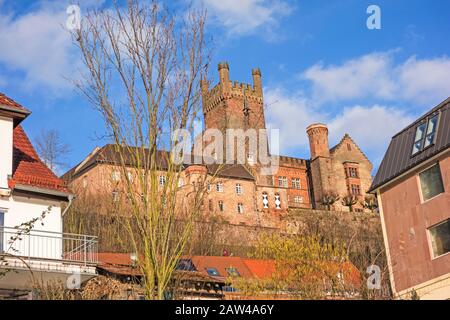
298,199
352,172
265,200
282,182
115,176
115,196
130,176
240,208
425,134
208,187
220,205
277,201
219,187
296,183
355,189
162,180
238,188
210,205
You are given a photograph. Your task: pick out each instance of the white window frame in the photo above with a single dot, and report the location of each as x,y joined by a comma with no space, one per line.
115,176
423,138
419,182
430,241
240,208
162,180
296,183
219,187
238,189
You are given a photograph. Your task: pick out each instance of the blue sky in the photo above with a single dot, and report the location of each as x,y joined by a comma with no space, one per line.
318,59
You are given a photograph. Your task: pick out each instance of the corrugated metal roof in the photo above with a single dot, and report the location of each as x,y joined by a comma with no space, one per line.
399,159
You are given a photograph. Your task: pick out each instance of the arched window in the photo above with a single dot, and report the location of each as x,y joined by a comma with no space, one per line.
265,200
277,201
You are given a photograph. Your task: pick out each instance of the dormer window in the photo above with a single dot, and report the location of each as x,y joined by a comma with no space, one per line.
425,134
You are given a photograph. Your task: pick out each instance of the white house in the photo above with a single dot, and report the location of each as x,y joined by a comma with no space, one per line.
33,246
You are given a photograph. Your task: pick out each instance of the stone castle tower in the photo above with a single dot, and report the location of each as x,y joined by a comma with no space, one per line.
322,179
234,105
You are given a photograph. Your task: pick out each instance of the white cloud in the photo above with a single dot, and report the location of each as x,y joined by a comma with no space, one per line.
377,76
370,126
37,45
240,17
291,114
365,76
425,80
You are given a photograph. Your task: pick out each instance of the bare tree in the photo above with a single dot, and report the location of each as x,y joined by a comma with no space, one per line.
370,202
143,69
51,149
349,201
328,199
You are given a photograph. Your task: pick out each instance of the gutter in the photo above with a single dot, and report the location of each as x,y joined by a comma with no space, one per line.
44,191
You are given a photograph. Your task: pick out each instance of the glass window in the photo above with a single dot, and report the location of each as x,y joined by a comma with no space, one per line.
210,205
238,188
162,180
221,205
431,131
282,182
115,196
115,176
240,208
185,265
298,199
232,271
296,183
431,182
213,272
219,187
130,176
440,238
352,172
425,134
355,189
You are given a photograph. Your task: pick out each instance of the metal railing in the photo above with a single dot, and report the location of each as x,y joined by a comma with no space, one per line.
47,245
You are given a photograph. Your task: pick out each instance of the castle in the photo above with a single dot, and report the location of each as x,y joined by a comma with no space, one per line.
244,195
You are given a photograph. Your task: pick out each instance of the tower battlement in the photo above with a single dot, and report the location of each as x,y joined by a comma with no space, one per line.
227,89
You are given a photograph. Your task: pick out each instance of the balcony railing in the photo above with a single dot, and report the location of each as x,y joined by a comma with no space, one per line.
45,245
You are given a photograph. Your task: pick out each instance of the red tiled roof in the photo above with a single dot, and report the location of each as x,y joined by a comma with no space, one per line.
4,100
261,269
28,169
222,264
